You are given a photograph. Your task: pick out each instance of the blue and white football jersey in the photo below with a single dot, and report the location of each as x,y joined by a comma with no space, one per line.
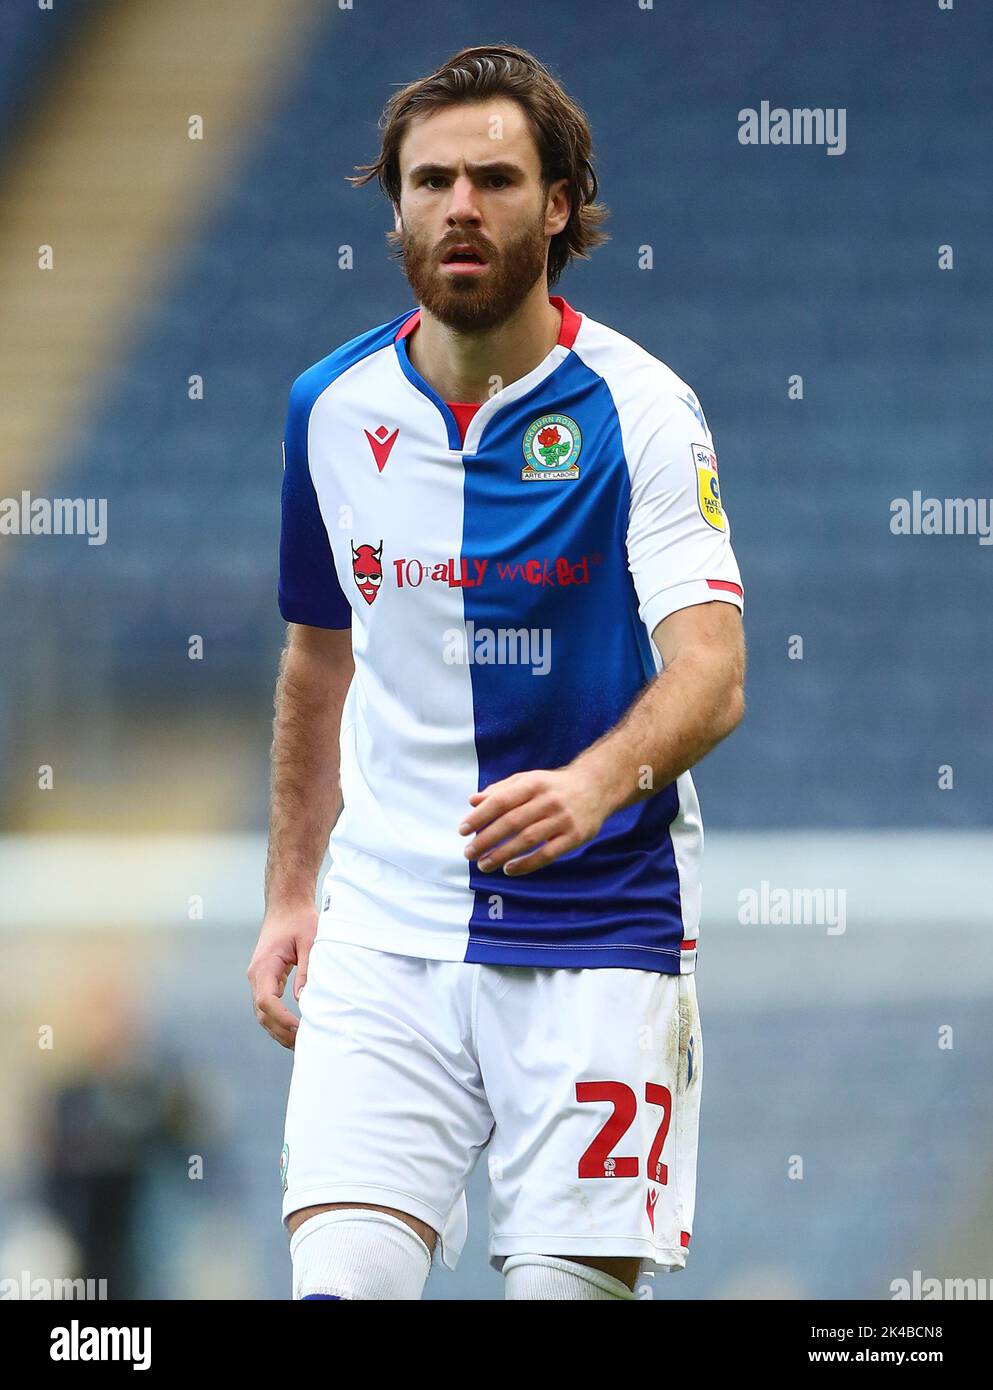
501,591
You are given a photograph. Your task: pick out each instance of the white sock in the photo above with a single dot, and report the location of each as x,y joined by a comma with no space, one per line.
546,1277
352,1253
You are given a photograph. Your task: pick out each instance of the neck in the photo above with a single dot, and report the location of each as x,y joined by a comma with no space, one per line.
463,366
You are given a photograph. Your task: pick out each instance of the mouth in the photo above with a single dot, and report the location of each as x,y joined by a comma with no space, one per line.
463,260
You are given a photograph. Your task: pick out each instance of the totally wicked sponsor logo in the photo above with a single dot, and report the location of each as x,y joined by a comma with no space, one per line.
464,573
468,572
558,572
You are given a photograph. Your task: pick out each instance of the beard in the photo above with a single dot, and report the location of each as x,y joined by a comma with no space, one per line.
474,304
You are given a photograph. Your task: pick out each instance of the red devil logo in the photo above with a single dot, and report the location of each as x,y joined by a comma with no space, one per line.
368,569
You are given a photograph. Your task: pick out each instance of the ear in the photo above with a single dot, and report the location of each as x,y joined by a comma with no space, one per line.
397,222
558,207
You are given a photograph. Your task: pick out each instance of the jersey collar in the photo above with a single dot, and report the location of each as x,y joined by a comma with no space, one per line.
569,327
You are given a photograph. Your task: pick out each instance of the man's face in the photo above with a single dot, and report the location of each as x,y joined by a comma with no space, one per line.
471,177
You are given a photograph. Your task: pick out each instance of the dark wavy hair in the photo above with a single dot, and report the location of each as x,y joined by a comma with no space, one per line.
560,127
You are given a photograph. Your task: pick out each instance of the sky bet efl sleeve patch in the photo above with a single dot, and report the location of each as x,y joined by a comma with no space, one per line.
708,488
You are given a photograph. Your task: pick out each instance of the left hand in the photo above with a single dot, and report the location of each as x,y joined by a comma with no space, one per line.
540,816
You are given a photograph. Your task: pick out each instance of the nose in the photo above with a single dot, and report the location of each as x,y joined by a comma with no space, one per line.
462,209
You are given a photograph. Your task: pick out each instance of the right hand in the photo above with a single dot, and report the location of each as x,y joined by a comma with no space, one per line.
284,942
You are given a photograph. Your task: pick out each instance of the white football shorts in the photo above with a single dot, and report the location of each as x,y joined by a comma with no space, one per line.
585,1084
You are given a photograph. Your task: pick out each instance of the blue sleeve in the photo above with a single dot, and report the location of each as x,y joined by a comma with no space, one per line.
309,591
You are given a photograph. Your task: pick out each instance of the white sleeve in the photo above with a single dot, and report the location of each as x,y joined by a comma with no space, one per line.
679,538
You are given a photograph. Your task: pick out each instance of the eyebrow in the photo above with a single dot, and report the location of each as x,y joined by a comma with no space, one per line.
496,166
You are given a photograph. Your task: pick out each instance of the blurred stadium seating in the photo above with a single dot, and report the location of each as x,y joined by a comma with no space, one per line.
768,262
31,44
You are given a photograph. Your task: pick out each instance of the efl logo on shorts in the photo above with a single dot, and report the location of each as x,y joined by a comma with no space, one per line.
708,488
551,449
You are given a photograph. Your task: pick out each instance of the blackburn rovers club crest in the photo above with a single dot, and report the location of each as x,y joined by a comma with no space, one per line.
551,450
708,487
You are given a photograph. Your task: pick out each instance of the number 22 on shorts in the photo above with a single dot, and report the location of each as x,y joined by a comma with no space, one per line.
598,1160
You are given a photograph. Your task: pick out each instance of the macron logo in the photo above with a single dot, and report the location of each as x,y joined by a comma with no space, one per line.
381,443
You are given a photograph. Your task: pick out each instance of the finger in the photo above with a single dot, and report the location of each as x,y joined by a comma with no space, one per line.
551,850
542,807
267,992
489,807
521,837
269,978
529,838
276,1011
502,816
496,799
547,854
276,1018
303,961
501,829
286,1037
283,1035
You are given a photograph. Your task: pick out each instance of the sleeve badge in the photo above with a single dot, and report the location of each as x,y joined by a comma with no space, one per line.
708,487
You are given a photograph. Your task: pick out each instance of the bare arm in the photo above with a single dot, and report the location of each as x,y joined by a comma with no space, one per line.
679,717
694,703
314,674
